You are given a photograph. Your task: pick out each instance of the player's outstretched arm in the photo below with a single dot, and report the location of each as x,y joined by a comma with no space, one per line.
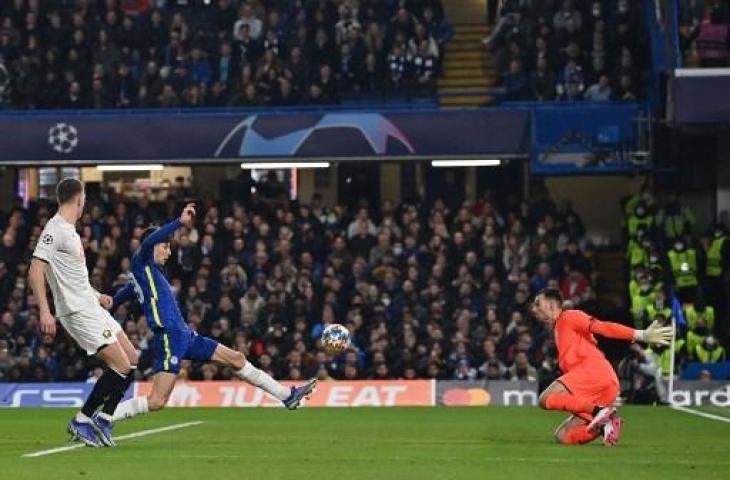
123,295
163,233
37,280
654,334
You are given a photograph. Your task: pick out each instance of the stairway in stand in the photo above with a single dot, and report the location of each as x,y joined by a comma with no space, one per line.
468,69
611,288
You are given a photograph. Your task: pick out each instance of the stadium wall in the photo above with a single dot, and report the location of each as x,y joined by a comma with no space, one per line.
596,200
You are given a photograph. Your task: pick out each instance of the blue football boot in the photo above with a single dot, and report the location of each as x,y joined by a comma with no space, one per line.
300,393
103,426
83,432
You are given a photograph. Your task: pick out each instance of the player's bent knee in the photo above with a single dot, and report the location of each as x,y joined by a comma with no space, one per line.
238,360
542,400
122,366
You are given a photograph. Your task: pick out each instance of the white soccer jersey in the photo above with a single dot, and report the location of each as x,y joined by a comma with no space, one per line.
60,247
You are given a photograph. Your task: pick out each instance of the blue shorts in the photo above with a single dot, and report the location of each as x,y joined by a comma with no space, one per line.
173,346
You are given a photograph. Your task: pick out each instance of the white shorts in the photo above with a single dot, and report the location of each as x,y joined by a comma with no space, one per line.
92,329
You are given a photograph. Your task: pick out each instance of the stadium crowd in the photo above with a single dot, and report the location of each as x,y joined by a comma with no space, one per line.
428,292
674,275
570,51
704,32
152,53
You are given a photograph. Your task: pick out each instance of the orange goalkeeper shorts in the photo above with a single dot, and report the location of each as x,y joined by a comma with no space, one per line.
595,382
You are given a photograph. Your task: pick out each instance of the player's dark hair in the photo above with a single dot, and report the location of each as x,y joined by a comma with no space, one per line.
147,232
551,294
67,190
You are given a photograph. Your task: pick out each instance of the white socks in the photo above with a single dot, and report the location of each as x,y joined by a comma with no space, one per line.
130,408
81,418
263,380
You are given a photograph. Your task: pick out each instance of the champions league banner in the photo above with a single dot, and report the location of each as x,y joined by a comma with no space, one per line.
209,137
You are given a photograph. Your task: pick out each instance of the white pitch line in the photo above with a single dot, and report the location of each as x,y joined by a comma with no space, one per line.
141,433
701,414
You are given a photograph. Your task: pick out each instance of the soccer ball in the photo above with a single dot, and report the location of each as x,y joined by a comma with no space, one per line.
335,338
63,138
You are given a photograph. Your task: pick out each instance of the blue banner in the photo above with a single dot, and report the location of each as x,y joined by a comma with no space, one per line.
77,137
584,138
71,394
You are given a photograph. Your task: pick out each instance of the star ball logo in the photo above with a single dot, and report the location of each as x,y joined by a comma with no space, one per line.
278,136
63,138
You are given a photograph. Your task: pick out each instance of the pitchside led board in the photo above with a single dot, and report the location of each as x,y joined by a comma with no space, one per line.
559,138
386,393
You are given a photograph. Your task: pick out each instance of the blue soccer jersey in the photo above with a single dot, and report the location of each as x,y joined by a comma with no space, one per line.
173,340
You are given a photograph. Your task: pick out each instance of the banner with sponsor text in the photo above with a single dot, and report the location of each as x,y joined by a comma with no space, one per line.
385,393
697,393
68,394
236,394
484,393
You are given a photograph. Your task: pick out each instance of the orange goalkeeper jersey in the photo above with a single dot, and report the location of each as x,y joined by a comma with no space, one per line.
576,344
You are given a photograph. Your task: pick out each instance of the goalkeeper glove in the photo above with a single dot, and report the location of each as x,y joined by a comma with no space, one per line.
655,334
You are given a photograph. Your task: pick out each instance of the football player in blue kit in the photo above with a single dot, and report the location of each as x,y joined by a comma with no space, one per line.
174,341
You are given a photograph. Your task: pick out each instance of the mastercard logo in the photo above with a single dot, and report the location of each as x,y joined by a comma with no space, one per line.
462,397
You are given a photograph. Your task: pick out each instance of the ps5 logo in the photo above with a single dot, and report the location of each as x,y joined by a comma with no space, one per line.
47,397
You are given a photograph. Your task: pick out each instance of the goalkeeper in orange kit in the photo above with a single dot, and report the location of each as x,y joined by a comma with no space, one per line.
588,387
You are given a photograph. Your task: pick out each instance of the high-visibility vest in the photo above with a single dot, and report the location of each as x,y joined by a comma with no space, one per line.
692,316
636,255
706,356
664,359
714,257
684,267
639,302
675,225
652,312
634,223
693,341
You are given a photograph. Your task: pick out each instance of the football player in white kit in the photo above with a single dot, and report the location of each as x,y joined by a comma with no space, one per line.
59,258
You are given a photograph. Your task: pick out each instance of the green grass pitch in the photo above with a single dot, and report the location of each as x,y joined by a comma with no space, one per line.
378,444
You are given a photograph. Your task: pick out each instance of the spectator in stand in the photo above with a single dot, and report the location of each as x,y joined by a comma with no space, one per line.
600,91
543,82
247,17
424,65
516,83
